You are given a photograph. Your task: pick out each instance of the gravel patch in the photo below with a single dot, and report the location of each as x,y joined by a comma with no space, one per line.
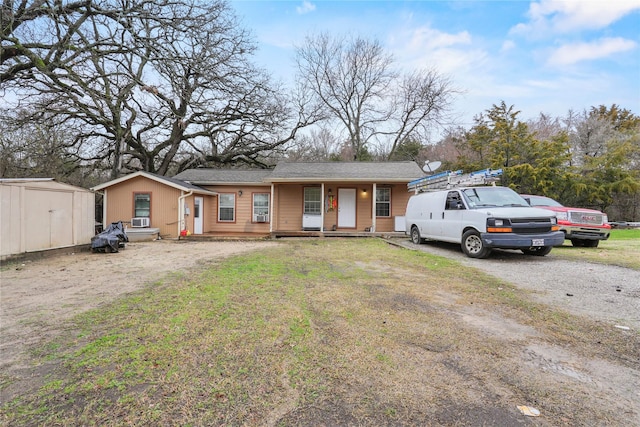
598,291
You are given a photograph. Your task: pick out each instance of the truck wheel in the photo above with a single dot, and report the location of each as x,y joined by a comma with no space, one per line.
472,245
577,242
591,243
415,235
538,250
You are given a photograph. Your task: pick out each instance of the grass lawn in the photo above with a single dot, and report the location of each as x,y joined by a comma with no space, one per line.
622,248
321,332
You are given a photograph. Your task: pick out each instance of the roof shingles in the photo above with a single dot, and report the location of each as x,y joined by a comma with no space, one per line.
306,172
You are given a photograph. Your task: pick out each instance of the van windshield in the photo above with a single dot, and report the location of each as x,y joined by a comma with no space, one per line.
482,197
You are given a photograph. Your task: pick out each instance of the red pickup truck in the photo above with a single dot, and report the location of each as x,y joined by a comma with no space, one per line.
584,227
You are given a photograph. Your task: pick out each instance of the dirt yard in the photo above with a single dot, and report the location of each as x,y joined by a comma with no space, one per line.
36,297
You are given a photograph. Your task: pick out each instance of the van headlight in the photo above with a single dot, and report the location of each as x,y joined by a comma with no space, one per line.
554,220
498,225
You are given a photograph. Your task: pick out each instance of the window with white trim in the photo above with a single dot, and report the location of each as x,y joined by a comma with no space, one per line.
261,207
312,202
383,202
227,207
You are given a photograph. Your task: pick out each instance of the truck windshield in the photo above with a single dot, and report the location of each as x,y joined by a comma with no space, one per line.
482,197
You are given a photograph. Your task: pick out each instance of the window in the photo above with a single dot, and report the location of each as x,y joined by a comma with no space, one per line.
383,202
227,207
142,205
312,202
261,207
453,201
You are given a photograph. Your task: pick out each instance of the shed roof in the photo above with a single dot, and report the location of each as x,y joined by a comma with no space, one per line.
346,171
40,183
171,182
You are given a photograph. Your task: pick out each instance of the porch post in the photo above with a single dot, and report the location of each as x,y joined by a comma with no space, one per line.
322,207
271,208
373,208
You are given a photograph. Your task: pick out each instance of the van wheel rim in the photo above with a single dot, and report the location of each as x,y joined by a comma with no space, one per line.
473,244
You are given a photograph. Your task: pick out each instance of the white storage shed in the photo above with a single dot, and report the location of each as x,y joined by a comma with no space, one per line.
39,214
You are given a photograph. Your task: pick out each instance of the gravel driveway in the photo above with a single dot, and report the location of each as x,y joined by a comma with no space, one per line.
599,291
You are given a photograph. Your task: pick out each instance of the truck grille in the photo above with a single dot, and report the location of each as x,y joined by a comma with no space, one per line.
530,225
585,218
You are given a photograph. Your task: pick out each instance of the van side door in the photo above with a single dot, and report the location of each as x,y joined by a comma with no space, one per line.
453,217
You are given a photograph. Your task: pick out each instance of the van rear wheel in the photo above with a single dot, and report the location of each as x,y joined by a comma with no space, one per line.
472,245
415,235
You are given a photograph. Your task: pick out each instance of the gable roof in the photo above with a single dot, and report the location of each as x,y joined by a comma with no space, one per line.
346,171
171,182
205,176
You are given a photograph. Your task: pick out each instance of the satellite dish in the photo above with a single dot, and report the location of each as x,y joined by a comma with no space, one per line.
430,167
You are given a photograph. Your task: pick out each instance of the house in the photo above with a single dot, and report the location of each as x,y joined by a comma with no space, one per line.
291,199
40,214
152,205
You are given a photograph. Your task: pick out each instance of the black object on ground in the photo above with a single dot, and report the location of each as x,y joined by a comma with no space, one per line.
111,239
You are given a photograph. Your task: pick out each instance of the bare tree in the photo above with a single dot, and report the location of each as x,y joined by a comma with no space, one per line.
158,86
40,150
48,37
588,136
354,79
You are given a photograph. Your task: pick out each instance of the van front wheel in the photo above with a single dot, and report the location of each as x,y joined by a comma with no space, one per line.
472,245
415,235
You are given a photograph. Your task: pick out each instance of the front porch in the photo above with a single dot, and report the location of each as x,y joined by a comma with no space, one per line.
283,234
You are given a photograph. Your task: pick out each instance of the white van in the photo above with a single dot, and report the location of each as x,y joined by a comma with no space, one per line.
480,219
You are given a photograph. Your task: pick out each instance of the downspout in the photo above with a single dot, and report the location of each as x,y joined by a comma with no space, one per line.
181,211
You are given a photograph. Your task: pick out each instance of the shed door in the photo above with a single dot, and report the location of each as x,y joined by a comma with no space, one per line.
347,207
49,219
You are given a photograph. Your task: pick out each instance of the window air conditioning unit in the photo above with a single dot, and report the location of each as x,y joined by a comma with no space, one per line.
139,222
262,218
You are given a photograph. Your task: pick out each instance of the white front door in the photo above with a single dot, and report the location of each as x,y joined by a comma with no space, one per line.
197,215
347,207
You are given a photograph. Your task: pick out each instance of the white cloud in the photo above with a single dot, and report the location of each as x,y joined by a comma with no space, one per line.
429,38
575,52
305,7
425,47
508,45
562,16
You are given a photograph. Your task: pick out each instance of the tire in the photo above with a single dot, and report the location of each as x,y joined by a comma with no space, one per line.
415,235
472,245
538,251
577,243
591,243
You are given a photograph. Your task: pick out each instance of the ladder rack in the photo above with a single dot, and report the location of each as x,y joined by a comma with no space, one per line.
451,179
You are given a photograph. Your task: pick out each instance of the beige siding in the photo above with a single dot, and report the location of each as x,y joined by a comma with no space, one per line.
289,206
164,204
244,221
286,209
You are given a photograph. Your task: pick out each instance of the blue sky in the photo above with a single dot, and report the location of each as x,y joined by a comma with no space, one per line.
543,56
